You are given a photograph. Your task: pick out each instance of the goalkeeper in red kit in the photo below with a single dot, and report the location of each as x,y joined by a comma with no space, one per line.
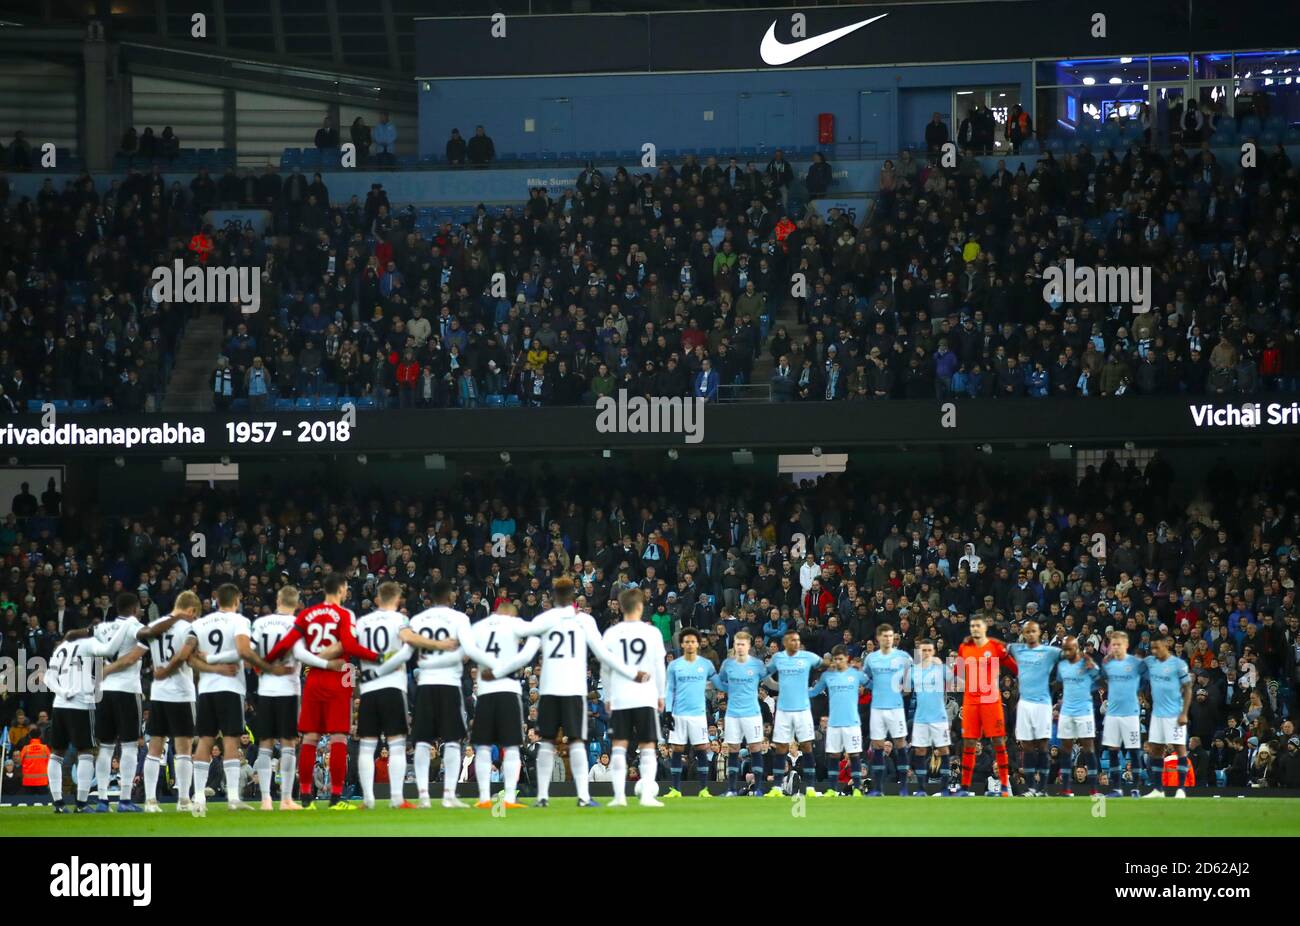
980,659
326,707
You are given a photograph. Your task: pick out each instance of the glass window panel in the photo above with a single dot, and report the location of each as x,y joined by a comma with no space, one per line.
1213,66
1078,72
1170,67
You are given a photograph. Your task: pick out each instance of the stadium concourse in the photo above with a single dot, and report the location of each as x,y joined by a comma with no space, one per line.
1204,565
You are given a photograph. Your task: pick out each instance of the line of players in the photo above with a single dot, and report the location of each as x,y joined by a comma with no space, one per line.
105,708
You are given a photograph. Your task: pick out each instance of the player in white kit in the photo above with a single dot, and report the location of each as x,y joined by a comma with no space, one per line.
383,696
634,706
439,696
171,700
72,676
496,644
278,697
222,638
117,716
567,634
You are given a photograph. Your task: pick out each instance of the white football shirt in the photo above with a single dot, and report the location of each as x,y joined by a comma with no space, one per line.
179,686
496,643
380,631
641,646
267,631
127,679
566,636
441,623
216,634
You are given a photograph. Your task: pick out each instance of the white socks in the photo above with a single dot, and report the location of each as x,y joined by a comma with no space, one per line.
263,767
54,771
423,759
184,766
366,769
103,769
231,767
545,767
130,759
288,772
649,767
450,768
201,769
152,766
483,772
85,772
578,765
397,771
618,771
510,768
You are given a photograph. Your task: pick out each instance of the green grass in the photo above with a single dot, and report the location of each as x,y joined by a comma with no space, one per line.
689,816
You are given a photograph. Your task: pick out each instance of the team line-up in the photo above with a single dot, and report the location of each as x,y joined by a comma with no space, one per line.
199,688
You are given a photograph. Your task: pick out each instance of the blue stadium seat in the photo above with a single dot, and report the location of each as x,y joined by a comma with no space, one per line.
628,155
61,405
366,402
239,405
686,152
588,155
34,405
708,152
1250,125
805,151
327,403
1293,135
284,405
528,155
1275,124
512,401
609,155
494,401
1029,147
670,153
83,405
1268,139
568,155
407,160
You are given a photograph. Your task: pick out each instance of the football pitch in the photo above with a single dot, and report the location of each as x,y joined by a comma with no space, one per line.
690,816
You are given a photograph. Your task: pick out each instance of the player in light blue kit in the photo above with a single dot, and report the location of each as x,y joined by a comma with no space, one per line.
1121,729
886,670
739,678
793,722
1078,673
686,678
1034,710
842,683
931,729
1171,698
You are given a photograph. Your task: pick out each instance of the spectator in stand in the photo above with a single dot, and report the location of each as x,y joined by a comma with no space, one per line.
1019,127
130,142
936,135
385,137
20,152
327,136
480,149
169,146
818,179
223,386
781,174
456,149
360,134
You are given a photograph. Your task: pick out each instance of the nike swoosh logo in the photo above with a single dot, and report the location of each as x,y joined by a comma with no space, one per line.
774,52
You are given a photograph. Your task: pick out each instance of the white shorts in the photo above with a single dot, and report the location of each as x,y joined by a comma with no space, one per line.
888,724
743,729
1083,727
931,734
790,726
1121,732
689,731
1167,732
844,739
1033,721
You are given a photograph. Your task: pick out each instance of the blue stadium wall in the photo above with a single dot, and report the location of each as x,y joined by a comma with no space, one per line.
749,108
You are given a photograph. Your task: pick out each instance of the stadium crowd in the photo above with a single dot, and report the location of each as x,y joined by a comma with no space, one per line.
676,281
1209,564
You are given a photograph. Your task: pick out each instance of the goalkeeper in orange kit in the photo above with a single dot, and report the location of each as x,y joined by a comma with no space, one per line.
980,660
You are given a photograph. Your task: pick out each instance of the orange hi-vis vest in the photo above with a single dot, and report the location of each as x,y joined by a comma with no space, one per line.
35,762
1170,773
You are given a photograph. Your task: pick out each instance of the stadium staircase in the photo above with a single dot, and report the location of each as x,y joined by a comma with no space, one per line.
189,389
